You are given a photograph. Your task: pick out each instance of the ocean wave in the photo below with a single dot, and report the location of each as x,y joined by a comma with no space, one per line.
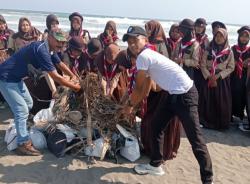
95,24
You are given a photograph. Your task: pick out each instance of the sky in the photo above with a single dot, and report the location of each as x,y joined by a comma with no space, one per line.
228,11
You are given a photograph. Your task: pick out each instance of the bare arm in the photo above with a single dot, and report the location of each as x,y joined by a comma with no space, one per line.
65,69
62,81
142,88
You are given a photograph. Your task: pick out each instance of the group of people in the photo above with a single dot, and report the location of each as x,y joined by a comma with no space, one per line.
169,82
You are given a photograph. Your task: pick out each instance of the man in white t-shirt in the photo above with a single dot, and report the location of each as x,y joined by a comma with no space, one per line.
182,101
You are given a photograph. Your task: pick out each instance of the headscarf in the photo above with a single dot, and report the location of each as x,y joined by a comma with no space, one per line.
32,34
124,58
157,32
79,18
104,37
200,21
186,26
172,42
217,47
109,53
219,25
172,28
219,50
241,51
244,29
4,35
50,19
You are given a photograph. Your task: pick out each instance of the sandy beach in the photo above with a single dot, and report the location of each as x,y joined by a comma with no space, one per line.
230,152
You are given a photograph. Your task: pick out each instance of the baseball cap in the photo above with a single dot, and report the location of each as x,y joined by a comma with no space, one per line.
58,34
134,31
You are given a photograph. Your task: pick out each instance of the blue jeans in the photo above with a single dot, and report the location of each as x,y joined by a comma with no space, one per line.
20,102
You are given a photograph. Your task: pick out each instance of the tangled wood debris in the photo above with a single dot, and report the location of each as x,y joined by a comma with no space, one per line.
96,111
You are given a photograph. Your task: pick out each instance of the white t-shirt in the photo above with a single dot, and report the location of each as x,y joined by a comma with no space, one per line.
165,72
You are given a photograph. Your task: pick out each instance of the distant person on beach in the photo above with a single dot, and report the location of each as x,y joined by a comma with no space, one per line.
14,90
94,48
52,22
156,36
73,56
171,136
187,52
109,34
238,78
109,72
216,98
26,34
173,40
216,25
182,101
5,34
76,27
202,38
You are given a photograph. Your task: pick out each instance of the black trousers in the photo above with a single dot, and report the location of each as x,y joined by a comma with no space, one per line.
248,100
185,107
1,98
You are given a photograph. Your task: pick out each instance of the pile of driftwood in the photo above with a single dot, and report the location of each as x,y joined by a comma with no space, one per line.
88,110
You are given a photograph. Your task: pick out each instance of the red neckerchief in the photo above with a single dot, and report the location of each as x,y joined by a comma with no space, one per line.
239,63
106,40
75,64
131,78
201,41
109,75
183,47
215,60
172,43
4,38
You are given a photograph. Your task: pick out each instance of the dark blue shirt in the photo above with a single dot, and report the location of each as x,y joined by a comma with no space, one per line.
37,53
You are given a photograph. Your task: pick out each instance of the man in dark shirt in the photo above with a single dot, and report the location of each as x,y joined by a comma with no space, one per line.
39,55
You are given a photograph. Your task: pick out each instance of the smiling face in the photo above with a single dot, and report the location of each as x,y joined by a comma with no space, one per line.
25,26
136,44
55,45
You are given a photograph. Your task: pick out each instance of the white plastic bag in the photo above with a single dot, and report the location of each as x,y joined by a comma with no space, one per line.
96,150
11,138
69,132
131,150
42,118
38,139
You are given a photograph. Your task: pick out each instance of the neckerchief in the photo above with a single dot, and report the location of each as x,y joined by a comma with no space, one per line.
183,47
239,63
109,75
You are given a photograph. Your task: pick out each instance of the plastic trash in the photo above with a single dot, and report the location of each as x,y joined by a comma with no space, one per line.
44,116
11,138
97,149
38,139
131,150
69,132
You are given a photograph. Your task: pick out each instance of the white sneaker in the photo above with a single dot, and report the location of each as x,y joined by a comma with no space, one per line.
148,169
244,127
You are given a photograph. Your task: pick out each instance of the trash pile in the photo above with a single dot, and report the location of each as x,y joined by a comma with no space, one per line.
85,124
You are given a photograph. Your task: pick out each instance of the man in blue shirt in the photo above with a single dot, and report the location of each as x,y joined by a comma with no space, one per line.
39,55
